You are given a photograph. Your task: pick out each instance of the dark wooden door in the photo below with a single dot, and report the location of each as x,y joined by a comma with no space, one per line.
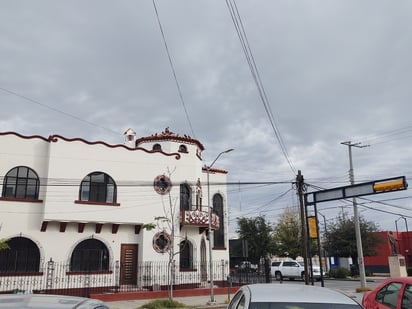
128,264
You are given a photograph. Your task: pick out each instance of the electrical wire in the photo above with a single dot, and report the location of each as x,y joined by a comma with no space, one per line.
57,110
398,133
237,21
173,69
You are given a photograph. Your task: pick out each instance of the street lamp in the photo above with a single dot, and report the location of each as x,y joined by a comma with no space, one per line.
407,235
212,297
327,248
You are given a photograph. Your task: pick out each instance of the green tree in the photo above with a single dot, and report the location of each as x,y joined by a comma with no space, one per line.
287,234
341,240
3,244
258,233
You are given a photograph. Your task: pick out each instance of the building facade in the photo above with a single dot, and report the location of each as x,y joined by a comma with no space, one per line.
91,206
392,243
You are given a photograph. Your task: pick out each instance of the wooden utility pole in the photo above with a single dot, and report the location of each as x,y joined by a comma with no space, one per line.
300,188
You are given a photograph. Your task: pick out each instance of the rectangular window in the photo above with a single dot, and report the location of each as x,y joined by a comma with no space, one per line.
407,297
21,188
110,193
98,192
85,191
9,190
31,188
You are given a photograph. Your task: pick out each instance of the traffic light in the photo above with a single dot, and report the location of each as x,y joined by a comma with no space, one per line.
313,227
390,185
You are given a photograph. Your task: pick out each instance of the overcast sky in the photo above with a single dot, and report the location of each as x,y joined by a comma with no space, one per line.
332,71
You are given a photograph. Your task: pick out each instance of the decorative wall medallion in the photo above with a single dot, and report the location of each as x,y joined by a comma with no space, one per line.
162,184
162,242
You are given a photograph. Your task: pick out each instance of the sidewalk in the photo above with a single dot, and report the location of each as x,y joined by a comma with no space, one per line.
203,302
190,301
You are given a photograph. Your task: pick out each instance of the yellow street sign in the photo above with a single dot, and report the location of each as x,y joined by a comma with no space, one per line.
391,185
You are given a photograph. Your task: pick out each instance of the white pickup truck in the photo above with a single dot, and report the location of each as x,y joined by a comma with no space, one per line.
287,269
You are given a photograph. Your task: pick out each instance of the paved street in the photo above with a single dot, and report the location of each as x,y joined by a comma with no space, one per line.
348,287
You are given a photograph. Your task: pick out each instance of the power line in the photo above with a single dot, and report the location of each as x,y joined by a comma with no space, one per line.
399,133
237,21
263,207
173,69
57,110
69,182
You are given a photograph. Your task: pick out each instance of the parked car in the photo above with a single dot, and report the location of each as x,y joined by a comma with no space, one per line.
393,293
315,271
43,301
287,269
286,296
246,266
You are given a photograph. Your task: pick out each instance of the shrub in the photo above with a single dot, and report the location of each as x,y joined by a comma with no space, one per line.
163,303
339,272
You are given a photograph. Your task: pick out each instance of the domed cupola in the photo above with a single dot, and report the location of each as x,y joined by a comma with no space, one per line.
169,142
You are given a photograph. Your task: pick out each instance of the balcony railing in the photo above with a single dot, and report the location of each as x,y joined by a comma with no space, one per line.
198,218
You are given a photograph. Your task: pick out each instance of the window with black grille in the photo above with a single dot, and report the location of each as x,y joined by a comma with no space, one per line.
21,182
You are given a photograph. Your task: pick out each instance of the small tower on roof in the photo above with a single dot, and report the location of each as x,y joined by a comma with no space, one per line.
130,138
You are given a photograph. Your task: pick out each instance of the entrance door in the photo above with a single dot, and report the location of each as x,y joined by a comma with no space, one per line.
128,264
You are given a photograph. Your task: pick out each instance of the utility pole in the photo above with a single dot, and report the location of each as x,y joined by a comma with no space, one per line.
300,188
361,263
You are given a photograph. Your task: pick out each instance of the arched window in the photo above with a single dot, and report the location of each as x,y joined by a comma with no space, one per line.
186,255
98,187
157,147
21,182
219,235
22,256
185,197
90,255
183,148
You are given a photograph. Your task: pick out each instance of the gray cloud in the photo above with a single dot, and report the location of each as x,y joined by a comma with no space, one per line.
333,71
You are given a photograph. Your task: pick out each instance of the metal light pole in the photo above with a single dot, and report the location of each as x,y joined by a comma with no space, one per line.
409,244
212,296
407,235
397,232
326,254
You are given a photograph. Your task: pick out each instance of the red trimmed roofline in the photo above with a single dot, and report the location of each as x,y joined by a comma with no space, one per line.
55,137
167,135
24,136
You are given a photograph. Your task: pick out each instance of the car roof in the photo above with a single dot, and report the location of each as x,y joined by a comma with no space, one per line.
281,292
402,280
399,279
42,301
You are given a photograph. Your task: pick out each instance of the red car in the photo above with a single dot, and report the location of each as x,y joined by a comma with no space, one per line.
394,293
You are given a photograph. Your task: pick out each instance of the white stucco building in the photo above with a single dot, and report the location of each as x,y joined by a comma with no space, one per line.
86,204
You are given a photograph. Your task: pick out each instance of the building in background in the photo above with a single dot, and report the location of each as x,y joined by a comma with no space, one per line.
86,205
402,246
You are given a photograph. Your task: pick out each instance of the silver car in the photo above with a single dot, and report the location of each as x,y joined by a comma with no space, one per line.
46,301
286,296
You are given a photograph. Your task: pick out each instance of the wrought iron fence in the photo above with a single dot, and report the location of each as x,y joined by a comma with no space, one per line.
56,278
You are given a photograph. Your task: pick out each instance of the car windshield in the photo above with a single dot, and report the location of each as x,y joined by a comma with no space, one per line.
291,305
